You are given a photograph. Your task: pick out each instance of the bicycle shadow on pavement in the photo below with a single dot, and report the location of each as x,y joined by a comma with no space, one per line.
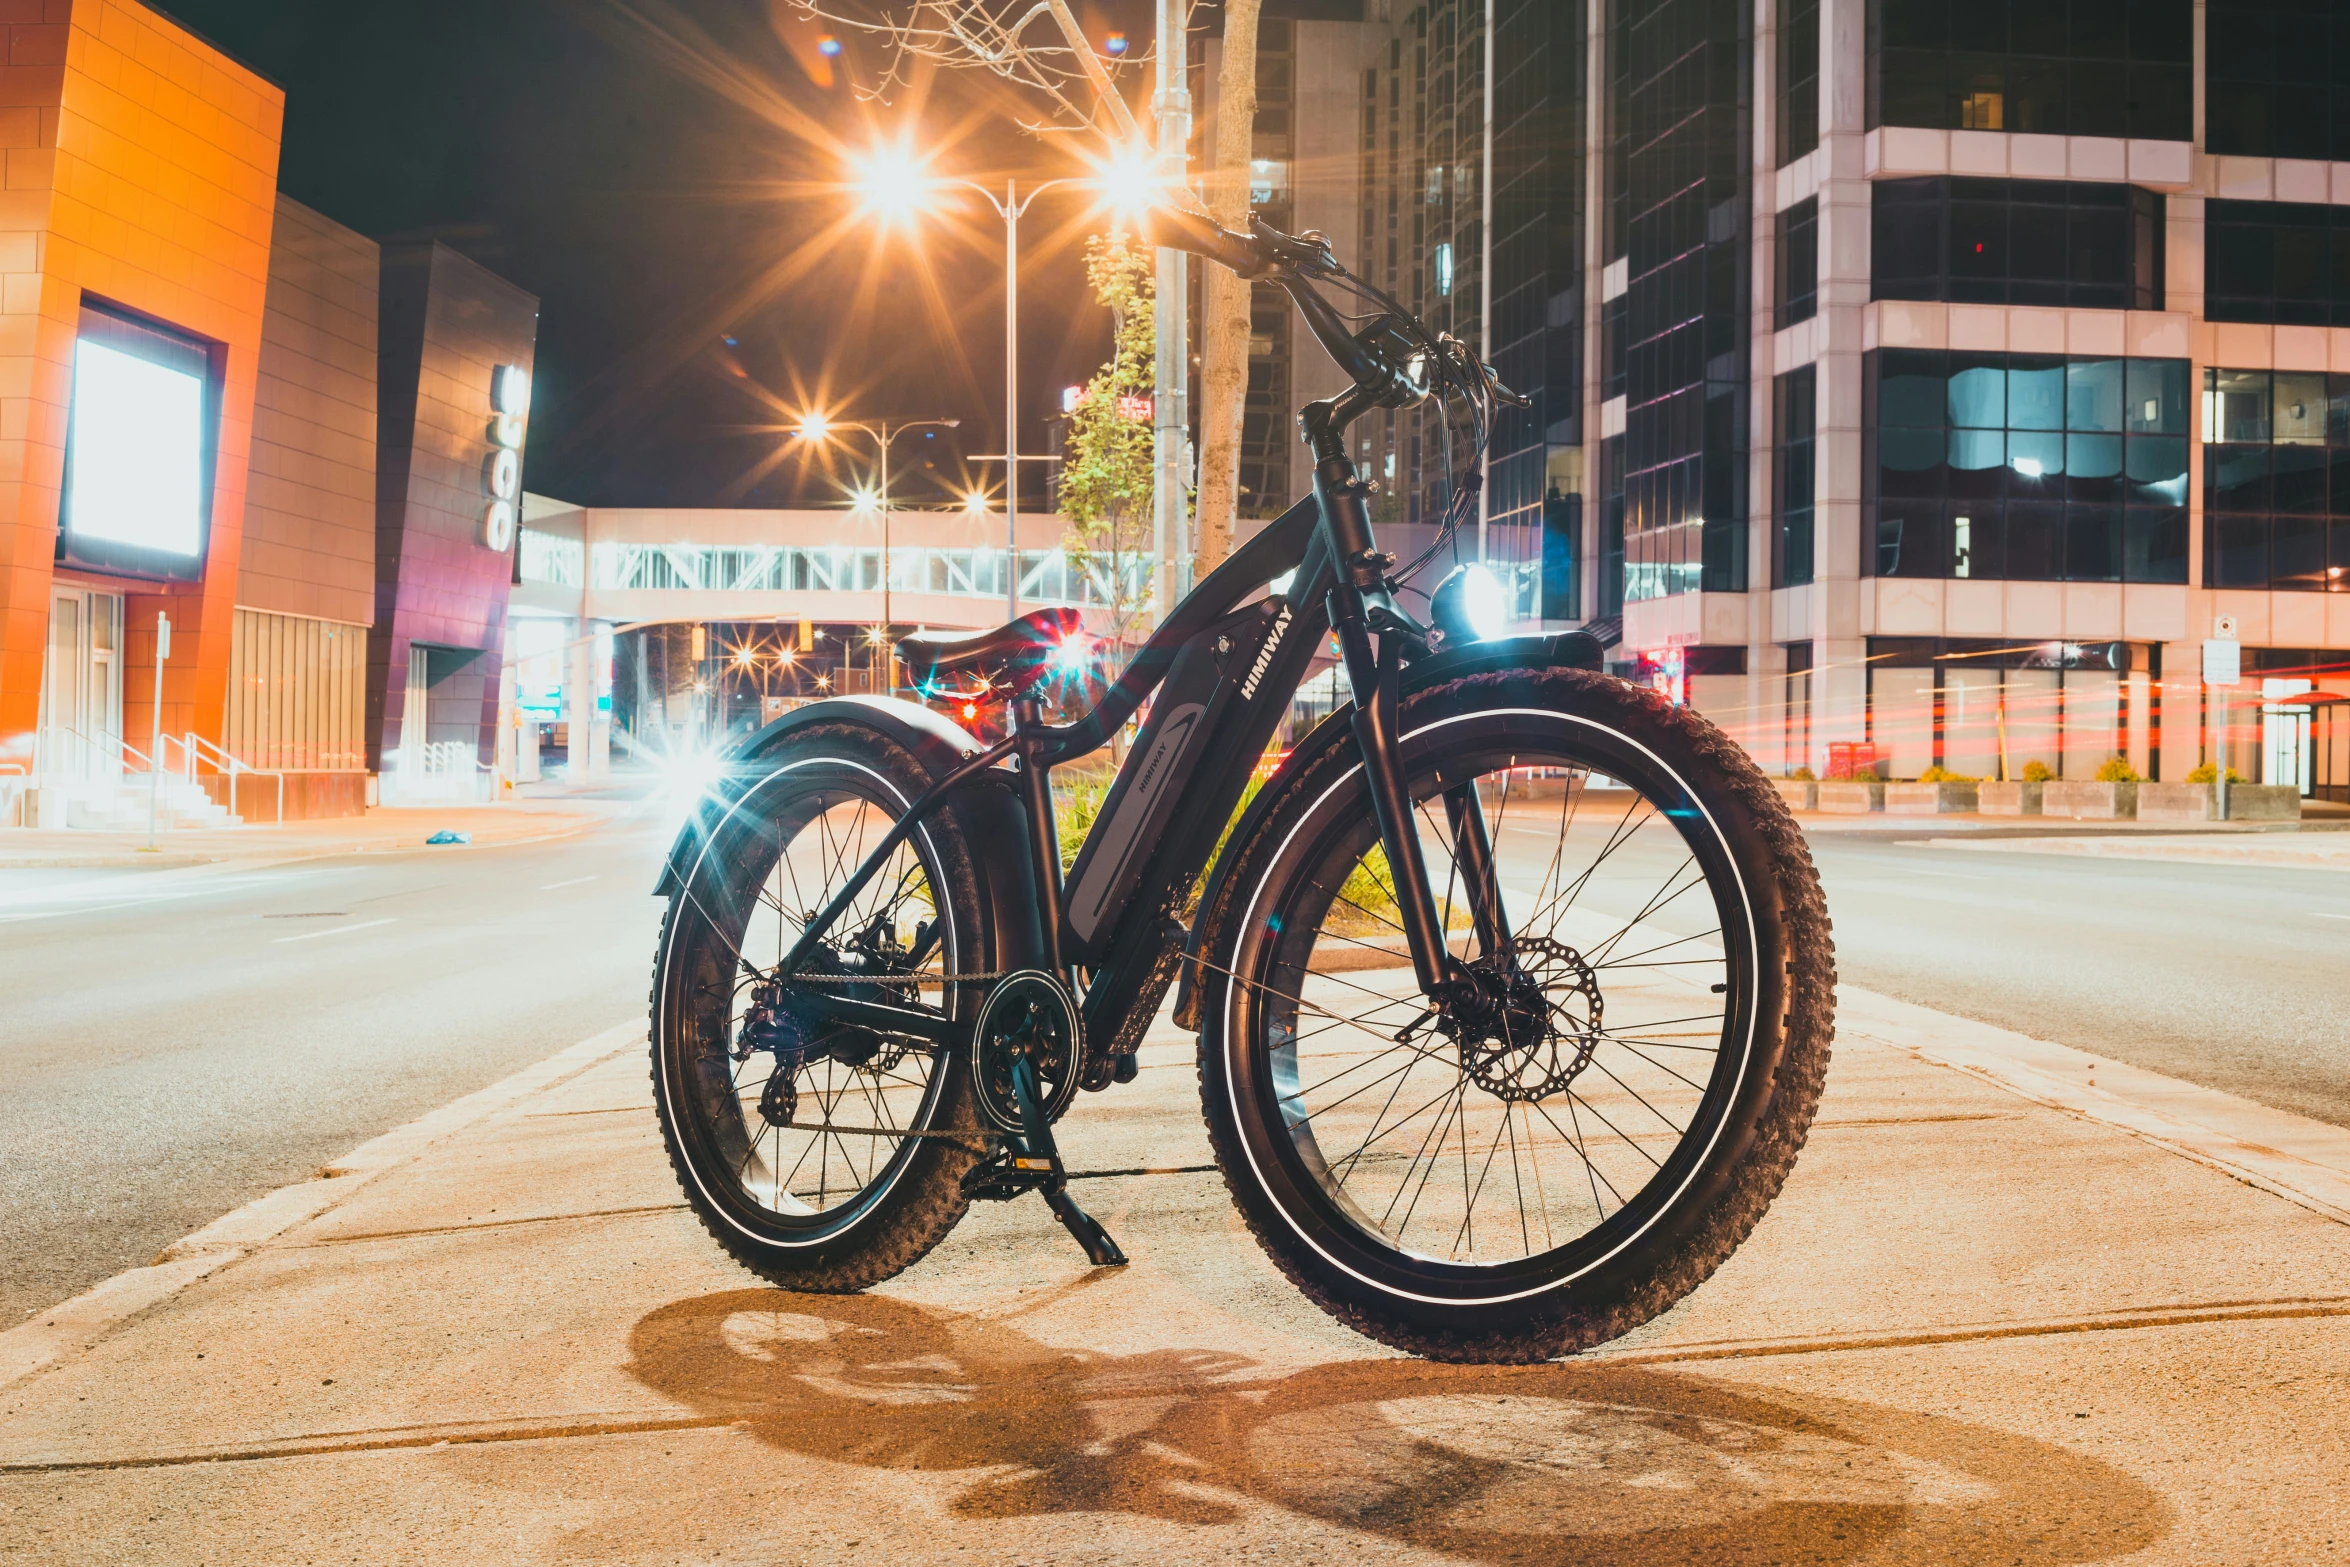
1563,1464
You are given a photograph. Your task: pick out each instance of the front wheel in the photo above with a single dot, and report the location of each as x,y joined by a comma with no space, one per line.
1561,1160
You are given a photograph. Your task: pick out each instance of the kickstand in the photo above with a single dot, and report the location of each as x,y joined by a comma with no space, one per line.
1037,1133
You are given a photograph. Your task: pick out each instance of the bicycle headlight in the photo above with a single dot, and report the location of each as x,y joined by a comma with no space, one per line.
1469,606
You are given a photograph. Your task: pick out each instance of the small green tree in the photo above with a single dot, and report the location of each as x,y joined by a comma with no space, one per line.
1106,469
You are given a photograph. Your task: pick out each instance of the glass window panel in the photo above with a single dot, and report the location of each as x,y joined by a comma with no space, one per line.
2243,404
2030,697
2034,540
2093,467
2156,396
2298,479
2157,469
1917,400
2338,403
2339,464
2154,544
1901,717
1977,540
2092,546
2297,553
2338,558
2100,100
2092,720
1970,721
2299,409
2239,551
1978,398
2093,395
2035,455
2035,396
2237,477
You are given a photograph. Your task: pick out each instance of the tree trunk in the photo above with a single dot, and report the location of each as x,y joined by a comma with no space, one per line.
1224,333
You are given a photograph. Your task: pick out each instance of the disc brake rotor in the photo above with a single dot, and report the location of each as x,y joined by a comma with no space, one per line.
1536,1024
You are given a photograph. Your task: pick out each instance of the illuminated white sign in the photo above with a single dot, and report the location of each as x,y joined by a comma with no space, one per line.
510,407
138,452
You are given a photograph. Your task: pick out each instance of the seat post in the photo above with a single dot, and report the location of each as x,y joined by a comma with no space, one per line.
1044,839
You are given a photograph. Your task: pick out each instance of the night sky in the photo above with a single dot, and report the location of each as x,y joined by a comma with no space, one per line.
663,175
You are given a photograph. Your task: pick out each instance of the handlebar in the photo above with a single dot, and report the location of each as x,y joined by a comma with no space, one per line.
1394,361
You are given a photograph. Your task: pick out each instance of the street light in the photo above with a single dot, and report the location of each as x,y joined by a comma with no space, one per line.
892,185
818,426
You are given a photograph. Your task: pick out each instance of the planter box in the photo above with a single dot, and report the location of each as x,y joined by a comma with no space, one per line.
2090,802
2009,799
2176,802
2263,803
1853,797
1801,794
1929,799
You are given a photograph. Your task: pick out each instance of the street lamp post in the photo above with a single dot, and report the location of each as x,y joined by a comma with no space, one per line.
816,427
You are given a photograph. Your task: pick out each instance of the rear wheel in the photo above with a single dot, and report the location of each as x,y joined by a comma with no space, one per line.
1560,1161
822,1156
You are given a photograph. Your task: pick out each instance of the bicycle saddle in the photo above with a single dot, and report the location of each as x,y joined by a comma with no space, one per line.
1012,655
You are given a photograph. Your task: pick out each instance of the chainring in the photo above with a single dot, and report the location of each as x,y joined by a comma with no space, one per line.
1027,1011
1539,1025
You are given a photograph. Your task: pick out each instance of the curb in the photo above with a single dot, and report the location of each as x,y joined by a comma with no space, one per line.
2304,1161
72,1327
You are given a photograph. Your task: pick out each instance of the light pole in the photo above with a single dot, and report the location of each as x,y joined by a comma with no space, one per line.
817,427
893,184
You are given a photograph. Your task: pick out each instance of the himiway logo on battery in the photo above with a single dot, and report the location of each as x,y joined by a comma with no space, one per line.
1256,672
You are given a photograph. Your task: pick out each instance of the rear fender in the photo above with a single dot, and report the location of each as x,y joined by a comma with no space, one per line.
986,807
1557,650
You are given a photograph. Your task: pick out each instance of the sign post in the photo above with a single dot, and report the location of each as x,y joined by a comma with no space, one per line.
2223,667
155,732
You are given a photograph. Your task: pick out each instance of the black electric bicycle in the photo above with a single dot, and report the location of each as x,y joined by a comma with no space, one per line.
1513,983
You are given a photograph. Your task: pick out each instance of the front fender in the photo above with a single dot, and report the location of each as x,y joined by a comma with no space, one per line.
1556,650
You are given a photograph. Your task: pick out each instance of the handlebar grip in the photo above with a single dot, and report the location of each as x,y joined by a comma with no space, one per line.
1198,235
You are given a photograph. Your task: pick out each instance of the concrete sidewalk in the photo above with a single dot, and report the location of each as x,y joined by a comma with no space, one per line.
383,829
2015,1305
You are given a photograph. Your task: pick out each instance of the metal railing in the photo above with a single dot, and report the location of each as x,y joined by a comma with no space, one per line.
194,748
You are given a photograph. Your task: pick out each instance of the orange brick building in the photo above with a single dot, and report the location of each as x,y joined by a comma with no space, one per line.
141,185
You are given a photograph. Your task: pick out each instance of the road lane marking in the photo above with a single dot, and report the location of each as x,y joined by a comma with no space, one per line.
573,882
338,930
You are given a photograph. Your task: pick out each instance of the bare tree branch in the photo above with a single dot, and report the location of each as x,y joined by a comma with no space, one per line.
1036,45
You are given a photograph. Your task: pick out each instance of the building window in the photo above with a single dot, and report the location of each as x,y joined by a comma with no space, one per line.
2017,242
1798,704
1991,708
1611,527
1798,262
2276,480
2093,68
1799,78
2271,73
2275,261
1794,398
2024,466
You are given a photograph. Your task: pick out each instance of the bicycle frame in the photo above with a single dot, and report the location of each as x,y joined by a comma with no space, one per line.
1225,670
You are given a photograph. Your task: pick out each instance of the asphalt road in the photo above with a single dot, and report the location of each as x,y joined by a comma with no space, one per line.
175,1043
2233,976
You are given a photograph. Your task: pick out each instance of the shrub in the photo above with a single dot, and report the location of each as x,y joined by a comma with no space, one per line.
2037,772
2117,769
1940,774
1804,775
2210,774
